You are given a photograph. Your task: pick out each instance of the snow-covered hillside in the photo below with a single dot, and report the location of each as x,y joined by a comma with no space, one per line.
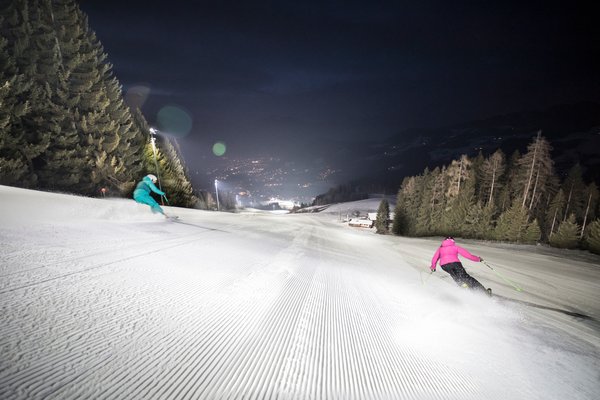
100,299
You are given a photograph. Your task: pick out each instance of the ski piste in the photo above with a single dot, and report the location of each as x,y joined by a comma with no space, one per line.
296,305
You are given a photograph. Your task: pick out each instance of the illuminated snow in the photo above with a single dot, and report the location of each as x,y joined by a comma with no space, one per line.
101,299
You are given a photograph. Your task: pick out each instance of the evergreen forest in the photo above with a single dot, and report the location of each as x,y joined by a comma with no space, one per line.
511,199
64,125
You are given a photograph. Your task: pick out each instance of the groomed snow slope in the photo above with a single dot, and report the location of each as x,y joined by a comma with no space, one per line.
100,299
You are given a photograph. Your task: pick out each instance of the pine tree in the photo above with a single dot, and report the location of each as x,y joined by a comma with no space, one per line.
510,185
400,224
87,74
438,200
424,221
383,216
28,95
592,237
416,200
58,167
575,192
541,212
512,224
483,221
172,174
492,171
532,232
458,172
432,203
404,221
94,122
471,226
554,214
407,206
459,209
14,169
567,236
176,181
535,169
110,140
592,192
127,156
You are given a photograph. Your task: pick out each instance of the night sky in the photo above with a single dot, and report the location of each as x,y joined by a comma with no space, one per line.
264,76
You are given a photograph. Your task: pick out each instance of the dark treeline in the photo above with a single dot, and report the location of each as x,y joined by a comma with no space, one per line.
341,193
515,199
64,125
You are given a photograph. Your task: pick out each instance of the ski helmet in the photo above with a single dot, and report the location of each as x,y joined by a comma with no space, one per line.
152,177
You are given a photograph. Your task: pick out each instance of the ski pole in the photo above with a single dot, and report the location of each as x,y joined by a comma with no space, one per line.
426,279
429,276
165,196
517,288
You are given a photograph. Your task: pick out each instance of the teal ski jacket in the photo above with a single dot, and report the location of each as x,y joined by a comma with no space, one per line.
141,194
144,187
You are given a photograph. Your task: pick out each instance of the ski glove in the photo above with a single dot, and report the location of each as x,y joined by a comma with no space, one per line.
480,259
432,269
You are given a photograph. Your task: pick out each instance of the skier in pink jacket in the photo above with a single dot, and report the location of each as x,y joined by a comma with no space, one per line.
447,254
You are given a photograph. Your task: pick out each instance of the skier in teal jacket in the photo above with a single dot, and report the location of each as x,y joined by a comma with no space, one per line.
141,194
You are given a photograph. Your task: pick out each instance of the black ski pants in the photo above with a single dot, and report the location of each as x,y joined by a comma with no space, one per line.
460,276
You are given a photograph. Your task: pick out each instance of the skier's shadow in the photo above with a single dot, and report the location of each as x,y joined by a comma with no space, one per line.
566,312
178,221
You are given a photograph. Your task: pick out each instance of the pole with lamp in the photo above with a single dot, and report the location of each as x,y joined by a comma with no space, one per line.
217,191
153,141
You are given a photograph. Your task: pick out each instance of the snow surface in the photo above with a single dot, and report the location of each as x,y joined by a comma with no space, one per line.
100,299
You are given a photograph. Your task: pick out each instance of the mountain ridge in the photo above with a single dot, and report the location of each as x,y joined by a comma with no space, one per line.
572,129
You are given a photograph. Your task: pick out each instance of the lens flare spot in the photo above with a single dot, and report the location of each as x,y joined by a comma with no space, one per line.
136,96
174,120
219,149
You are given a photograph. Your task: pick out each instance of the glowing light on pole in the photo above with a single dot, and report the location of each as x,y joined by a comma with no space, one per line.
153,141
217,191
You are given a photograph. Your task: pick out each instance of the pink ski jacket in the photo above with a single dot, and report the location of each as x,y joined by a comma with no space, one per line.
448,253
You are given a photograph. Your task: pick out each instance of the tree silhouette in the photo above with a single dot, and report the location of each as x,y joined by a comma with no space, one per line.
567,236
382,218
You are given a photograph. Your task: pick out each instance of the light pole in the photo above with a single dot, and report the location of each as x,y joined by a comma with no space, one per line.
153,141
217,191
